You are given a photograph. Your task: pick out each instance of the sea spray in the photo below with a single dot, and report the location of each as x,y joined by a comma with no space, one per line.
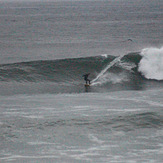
151,65
106,68
113,78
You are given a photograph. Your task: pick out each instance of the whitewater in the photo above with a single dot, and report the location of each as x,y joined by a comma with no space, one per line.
46,112
151,64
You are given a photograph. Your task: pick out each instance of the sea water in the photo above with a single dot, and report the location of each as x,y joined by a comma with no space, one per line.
46,113
121,126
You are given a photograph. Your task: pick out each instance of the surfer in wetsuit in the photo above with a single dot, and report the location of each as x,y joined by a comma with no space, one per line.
86,78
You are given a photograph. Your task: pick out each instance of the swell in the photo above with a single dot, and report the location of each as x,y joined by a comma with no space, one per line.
122,122
108,73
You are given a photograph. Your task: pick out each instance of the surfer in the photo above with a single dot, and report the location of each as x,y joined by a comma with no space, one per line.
86,78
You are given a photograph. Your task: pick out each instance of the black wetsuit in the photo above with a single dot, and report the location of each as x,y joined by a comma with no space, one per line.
86,78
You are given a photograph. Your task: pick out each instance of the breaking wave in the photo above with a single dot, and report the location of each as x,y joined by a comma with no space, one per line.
151,65
108,73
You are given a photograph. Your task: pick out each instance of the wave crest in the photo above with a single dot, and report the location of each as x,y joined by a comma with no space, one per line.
108,73
151,64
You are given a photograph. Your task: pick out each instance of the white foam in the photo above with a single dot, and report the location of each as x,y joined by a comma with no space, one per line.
151,65
127,66
41,143
104,55
14,157
93,138
106,68
110,77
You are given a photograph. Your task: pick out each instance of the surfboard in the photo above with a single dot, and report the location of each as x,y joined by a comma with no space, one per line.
87,85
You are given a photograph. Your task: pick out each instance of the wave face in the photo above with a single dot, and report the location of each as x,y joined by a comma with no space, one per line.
65,70
108,73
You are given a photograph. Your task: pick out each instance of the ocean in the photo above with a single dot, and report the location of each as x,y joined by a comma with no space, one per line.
46,112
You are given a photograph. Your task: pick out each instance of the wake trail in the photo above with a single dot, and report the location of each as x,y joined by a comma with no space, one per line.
94,81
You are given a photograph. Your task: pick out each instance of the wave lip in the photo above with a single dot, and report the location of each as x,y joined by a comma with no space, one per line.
151,64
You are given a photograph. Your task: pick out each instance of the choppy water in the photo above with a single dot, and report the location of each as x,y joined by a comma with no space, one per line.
46,113
122,126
